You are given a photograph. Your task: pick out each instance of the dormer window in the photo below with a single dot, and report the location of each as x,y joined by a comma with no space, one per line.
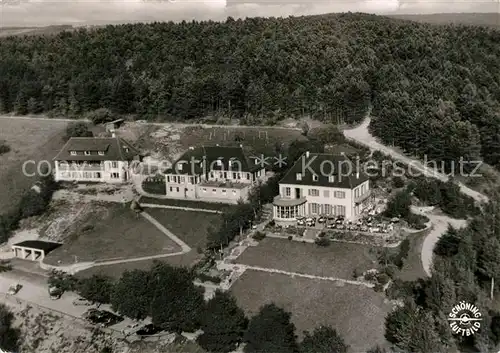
100,153
331,179
315,177
87,153
73,153
179,166
299,176
126,149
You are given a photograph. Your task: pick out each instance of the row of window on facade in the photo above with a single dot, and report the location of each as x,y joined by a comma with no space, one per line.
233,164
315,177
359,191
236,176
114,164
289,212
87,175
177,179
215,191
315,192
89,153
177,189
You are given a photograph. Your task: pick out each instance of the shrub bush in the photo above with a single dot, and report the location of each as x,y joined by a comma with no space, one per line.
398,182
322,241
259,236
370,276
383,278
4,148
378,287
390,270
356,273
203,277
155,186
101,116
290,237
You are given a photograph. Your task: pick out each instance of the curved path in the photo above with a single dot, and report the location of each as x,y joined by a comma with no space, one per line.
439,227
361,135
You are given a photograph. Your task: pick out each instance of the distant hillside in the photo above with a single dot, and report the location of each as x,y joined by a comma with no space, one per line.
478,19
21,31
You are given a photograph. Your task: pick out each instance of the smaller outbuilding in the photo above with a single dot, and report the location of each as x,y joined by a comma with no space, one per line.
34,250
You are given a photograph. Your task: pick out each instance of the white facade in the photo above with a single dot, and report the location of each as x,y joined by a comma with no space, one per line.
90,171
310,200
217,186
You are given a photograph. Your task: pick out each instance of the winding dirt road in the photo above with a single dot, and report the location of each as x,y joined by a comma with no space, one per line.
361,135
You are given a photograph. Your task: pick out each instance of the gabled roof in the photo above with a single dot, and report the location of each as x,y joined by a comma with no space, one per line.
200,160
344,171
114,148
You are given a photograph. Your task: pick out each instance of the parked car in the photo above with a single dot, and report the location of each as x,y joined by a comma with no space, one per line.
82,301
102,317
14,289
321,219
364,228
301,221
148,330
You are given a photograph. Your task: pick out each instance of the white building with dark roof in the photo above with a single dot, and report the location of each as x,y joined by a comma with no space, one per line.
215,173
96,159
322,184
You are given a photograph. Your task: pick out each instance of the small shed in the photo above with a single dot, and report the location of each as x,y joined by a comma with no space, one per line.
34,250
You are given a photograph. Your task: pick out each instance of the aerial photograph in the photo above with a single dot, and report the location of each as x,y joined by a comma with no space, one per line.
249,176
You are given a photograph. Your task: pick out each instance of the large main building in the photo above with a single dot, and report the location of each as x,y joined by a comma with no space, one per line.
322,184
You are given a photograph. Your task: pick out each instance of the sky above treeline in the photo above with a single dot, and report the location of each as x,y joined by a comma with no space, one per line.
25,13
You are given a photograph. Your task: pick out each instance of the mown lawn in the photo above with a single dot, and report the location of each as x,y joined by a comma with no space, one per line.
190,226
336,260
357,312
112,232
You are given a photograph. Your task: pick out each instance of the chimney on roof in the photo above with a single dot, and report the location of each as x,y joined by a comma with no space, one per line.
307,154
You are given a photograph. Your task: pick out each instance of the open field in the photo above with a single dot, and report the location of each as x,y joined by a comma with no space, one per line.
115,234
216,206
190,226
337,260
473,19
35,140
258,140
24,31
169,141
357,312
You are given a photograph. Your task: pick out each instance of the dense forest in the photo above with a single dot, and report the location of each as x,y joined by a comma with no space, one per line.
434,89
